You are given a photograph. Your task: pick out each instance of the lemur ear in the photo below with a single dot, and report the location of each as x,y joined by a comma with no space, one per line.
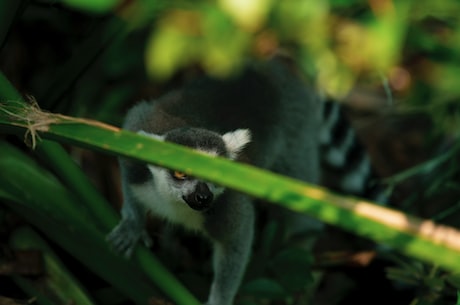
236,140
152,135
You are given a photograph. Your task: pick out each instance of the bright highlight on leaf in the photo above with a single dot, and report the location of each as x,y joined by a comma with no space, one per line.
207,37
386,35
250,15
174,44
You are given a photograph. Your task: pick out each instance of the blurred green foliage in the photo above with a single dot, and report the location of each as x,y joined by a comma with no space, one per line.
410,43
97,6
94,58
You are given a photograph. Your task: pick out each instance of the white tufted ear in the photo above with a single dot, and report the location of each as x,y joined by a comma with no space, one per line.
151,135
236,140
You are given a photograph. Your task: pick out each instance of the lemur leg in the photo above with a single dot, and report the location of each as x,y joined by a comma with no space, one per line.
229,265
129,231
131,228
232,251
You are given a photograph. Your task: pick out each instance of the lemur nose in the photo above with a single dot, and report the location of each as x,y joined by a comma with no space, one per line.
203,198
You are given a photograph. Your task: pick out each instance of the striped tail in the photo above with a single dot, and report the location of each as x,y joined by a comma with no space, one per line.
346,164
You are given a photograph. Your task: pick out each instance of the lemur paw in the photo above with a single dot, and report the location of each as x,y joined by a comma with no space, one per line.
125,236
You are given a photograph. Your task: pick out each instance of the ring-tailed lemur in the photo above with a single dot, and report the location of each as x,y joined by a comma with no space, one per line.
266,116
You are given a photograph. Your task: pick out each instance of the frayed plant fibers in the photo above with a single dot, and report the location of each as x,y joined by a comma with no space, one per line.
29,116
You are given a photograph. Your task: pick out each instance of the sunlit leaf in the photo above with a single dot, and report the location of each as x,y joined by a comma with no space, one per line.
249,15
225,44
411,235
387,32
175,43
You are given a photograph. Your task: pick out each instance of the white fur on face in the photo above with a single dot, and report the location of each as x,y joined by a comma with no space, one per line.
236,140
165,200
168,190
173,192
164,196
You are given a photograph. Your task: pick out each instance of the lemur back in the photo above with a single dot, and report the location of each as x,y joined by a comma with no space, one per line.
266,116
281,113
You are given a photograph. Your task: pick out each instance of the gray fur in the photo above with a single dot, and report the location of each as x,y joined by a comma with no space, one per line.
282,116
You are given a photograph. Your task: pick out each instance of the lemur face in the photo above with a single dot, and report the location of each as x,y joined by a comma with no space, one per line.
198,194
179,187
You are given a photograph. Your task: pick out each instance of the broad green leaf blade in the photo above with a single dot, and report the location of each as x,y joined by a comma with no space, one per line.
75,180
422,239
99,209
52,208
65,167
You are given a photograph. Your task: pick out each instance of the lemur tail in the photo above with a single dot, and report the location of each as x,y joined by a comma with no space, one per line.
346,164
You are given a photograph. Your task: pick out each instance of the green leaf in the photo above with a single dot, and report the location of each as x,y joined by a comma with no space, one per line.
95,6
421,238
175,43
264,288
55,210
292,267
268,238
454,280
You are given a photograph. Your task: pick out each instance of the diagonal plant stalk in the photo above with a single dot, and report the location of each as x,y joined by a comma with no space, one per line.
52,208
66,169
419,238
100,215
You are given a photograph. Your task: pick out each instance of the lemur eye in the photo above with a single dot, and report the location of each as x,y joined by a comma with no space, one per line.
179,175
